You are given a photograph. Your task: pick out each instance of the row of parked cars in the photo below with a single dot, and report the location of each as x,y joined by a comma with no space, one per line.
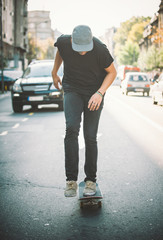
36,87
139,82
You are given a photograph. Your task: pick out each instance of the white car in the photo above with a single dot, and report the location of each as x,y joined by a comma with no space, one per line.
157,91
135,82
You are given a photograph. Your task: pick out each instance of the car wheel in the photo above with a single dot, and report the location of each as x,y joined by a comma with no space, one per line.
17,107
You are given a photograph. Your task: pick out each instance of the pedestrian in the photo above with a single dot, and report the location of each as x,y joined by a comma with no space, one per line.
88,72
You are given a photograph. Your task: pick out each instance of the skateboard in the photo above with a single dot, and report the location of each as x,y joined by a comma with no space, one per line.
95,200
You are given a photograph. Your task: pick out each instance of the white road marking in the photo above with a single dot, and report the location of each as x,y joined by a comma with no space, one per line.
4,133
16,125
25,119
149,121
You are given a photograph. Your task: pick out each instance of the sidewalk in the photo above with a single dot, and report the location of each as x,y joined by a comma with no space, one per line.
5,94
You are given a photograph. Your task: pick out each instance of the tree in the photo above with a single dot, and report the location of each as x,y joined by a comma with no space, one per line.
151,59
157,36
31,54
129,54
136,32
154,58
129,33
44,49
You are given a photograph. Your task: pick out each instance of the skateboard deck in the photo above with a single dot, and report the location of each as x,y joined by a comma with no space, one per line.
89,200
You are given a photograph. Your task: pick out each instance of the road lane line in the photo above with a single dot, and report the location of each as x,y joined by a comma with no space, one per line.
30,114
149,121
25,119
16,125
4,133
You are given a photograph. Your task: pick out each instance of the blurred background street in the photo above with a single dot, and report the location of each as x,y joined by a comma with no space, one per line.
32,123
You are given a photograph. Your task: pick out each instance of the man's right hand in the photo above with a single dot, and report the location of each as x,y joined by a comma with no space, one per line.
57,81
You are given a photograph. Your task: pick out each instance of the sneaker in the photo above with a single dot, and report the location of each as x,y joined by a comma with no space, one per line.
71,189
90,188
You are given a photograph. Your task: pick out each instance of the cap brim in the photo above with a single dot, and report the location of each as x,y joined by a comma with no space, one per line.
82,48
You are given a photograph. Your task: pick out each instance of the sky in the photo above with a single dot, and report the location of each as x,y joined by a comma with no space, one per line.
98,14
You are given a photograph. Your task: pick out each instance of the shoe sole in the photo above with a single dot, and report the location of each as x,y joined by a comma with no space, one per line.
70,195
89,194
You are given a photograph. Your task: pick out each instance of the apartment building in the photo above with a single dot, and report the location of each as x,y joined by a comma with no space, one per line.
14,32
39,25
156,24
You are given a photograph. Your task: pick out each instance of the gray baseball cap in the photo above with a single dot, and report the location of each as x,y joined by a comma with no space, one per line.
82,39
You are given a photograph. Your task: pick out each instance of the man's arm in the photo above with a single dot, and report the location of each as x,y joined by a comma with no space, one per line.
109,78
96,99
57,64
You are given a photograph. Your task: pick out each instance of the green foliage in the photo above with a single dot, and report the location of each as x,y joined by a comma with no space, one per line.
129,54
136,32
40,49
31,54
151,59
127,38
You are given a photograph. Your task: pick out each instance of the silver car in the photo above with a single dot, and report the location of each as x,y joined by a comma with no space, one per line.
136,82
157,91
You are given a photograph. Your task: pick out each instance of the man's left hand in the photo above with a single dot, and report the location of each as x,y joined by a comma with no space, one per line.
94,102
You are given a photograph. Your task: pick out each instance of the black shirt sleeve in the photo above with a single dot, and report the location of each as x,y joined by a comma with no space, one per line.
105,57
59,41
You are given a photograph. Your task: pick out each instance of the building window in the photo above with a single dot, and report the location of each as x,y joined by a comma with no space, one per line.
43,25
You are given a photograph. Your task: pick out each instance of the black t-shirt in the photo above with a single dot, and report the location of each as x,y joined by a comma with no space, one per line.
83,73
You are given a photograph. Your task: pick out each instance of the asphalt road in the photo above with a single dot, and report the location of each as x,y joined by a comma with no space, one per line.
130,174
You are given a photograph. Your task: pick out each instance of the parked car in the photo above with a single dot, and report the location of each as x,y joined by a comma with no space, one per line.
136,82
36,87
9,77
157,91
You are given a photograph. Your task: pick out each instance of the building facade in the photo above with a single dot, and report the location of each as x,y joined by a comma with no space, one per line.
107,38
153,31
14,32
39,25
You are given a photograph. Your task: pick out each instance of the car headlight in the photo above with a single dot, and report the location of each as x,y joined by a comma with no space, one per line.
17,86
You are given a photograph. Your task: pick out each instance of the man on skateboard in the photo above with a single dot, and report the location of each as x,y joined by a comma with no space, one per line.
88,73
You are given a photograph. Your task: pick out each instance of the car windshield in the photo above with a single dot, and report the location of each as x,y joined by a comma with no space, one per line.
40,70
138,78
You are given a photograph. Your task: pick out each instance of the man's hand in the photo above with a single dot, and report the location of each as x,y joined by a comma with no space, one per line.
57,81
94,102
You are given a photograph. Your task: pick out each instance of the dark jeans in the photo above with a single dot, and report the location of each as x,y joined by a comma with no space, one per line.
74,105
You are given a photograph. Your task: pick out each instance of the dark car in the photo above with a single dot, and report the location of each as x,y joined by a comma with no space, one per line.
36,87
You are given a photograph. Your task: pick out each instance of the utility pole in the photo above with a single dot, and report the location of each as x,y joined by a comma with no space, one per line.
1,48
